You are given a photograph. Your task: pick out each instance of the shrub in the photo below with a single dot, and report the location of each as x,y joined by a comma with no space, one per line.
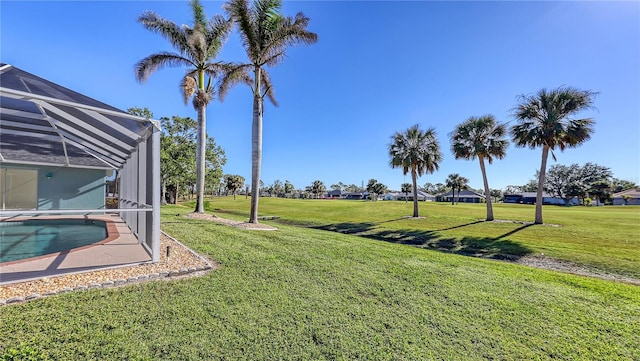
24,353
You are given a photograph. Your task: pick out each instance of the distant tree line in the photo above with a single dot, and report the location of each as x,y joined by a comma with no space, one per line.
589,181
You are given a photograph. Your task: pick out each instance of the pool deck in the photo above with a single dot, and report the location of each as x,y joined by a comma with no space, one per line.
121,248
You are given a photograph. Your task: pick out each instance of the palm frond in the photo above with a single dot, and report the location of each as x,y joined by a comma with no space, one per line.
239,11
199,17
197,46
479,137
415,149
543,118
268,87
217,34
285,33
147,66
231,75
173,33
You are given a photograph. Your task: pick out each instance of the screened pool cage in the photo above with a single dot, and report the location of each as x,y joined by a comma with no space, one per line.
57,147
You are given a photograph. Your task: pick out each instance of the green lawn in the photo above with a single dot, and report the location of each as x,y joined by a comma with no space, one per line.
606,239
302,293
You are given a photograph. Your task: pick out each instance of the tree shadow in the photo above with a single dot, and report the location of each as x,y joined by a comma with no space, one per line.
460,226
514,231
485,247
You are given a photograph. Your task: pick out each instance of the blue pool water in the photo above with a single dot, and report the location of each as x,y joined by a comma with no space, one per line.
32,238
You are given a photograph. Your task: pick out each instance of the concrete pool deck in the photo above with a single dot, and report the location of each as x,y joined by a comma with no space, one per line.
120,248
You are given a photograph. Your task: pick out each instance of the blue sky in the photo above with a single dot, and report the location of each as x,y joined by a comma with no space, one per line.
379,67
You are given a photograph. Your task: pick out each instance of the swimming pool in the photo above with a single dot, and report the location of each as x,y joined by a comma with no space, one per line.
32,238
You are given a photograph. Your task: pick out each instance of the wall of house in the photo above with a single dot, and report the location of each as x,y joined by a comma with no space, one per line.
629,202
68,188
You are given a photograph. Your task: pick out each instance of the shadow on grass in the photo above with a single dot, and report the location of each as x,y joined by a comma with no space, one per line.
485,247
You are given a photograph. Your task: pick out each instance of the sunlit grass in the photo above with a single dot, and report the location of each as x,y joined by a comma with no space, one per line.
604,238
303,293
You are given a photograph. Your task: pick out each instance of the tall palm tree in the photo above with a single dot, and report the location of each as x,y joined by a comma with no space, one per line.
417,151
483,138
266,34
195,48
544,121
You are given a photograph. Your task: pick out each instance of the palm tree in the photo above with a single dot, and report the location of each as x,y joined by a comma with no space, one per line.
405,188
452,182
196,47
416,151
318,188
543,121
480,137
266,34
462,183
455,181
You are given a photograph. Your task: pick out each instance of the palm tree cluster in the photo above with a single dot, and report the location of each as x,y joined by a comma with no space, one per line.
265,34
456,182
544,120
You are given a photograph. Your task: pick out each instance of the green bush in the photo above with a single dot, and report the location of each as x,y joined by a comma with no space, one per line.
24,353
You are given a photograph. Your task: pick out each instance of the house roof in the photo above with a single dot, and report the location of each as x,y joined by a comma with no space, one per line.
464,193
425,194
45,123
530,194
633,192
410,194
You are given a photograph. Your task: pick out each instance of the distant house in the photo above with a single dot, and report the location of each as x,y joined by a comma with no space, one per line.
336,194
391,196
630,197
465,196
397,196
356,195
530,198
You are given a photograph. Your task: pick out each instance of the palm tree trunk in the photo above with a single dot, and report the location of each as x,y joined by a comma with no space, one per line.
453,195
256,146
200,158
414,180
487,193
543,170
